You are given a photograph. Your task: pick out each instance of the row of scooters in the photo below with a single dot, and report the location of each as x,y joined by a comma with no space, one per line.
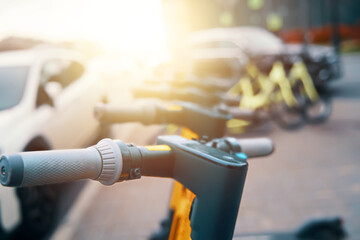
209,169
210,108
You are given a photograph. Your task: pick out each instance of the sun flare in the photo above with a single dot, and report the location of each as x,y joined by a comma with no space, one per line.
117,25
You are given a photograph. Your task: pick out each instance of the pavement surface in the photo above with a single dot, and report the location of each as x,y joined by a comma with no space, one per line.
313,173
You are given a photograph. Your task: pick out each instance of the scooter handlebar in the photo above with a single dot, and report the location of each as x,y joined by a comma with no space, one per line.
102,162
256,147
108,161
121,114
252,147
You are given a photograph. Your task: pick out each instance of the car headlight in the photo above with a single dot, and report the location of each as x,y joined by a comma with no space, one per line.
331,57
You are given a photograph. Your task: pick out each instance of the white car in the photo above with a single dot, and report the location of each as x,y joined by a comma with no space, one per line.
225,51
46,102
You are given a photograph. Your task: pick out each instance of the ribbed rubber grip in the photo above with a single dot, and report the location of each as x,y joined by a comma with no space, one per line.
122,114
101,162
256,147
45,167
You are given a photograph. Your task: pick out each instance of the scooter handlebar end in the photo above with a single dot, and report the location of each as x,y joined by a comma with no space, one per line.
11,170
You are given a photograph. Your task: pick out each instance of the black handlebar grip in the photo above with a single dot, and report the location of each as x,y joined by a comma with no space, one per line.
144,113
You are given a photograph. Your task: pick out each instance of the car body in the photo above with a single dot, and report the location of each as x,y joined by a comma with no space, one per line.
46,102
225,51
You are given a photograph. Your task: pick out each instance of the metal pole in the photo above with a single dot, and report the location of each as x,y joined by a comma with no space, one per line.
334,18
304,6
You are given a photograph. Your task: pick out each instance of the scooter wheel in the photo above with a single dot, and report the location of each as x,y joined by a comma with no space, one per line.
319,111
288,118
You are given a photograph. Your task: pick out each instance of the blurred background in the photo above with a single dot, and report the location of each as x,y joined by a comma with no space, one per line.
59,59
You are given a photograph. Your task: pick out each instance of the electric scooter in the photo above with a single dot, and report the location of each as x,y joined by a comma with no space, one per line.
203,121
215,172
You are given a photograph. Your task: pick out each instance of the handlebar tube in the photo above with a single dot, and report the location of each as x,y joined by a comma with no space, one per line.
215,176
203,121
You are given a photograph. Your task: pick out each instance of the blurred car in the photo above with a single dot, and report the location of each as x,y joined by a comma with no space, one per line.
225,51
46,102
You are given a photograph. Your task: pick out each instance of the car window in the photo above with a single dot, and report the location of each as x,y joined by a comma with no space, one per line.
12,85
225,44
262,40
215,44
62,71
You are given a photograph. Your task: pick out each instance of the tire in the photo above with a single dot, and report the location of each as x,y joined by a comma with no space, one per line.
323,229
319,111
38,211
38,205
288,118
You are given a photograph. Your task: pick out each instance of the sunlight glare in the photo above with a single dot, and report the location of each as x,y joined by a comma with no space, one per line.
117,25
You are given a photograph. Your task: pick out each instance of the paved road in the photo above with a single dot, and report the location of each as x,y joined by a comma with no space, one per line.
313,173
